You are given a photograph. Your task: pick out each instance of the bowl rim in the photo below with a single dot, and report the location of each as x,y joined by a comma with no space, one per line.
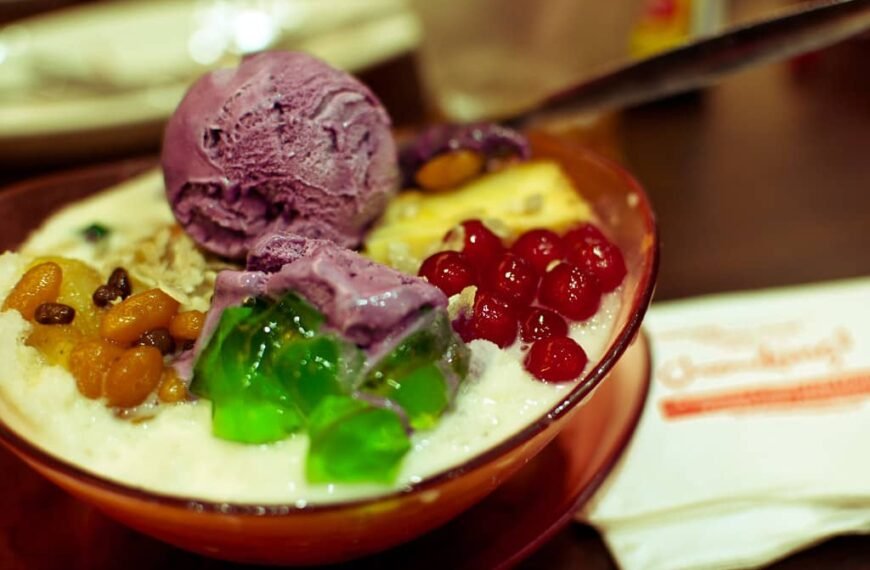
640,302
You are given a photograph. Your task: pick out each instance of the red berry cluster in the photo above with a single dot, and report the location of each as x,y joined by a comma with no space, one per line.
530,289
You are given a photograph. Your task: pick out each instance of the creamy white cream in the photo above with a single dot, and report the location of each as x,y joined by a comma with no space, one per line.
175,453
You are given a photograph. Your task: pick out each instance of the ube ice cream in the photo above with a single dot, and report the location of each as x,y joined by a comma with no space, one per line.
282,142
368,303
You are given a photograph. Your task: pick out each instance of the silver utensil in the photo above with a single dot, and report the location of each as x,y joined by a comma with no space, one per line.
810,27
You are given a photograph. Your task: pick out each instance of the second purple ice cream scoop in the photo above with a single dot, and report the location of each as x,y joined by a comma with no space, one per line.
281,143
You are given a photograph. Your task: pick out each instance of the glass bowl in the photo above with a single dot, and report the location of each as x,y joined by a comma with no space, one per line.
287,534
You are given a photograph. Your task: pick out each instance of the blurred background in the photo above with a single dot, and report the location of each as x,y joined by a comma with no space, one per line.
83,80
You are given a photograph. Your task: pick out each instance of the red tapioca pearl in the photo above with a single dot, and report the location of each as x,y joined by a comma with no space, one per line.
492,319
513,279
604,260
539,247
570,291
480,245
540,323
582,234
450,271
556,359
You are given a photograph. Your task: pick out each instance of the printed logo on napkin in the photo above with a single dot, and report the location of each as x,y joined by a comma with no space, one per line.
755,396
757,367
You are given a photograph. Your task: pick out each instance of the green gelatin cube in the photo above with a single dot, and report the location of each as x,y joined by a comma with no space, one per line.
300,317
352,441
247,421
310,369
422,394
423,345
209,378
411,374
269,371
237,369
239,355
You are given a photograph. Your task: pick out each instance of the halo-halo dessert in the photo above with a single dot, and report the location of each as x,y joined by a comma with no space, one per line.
462,309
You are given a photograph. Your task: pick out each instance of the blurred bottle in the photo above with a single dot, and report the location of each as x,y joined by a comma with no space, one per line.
664,24
485,58
482,58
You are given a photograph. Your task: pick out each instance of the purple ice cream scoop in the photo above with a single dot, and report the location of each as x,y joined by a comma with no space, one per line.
369,304
283,142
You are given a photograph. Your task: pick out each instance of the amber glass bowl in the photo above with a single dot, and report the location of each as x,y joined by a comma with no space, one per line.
286,534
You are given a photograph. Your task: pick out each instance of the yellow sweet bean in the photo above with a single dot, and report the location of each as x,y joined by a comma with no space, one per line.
142,312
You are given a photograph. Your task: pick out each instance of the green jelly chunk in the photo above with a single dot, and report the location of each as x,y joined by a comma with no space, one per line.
412,373
251,421
422,393
209,380
303,318
352,441
270,371
264,369
311,369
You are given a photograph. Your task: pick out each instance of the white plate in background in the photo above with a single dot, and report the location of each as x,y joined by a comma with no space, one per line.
106,76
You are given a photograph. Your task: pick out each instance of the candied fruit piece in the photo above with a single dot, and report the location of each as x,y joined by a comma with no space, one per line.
39,284
89,362
133,376
603,260
525,196
172,389
131,318
449,169
489,141
187,325
77,287
54,342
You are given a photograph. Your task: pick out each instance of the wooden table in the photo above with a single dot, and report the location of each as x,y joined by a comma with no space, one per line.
762,181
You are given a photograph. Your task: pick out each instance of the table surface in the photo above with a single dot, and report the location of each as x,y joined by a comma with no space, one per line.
761,181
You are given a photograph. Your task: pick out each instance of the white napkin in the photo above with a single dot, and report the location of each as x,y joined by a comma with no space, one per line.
754,439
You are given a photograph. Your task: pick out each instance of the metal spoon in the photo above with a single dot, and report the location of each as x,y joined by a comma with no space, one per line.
700,63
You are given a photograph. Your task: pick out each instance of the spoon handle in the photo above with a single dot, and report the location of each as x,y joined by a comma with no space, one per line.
700,63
